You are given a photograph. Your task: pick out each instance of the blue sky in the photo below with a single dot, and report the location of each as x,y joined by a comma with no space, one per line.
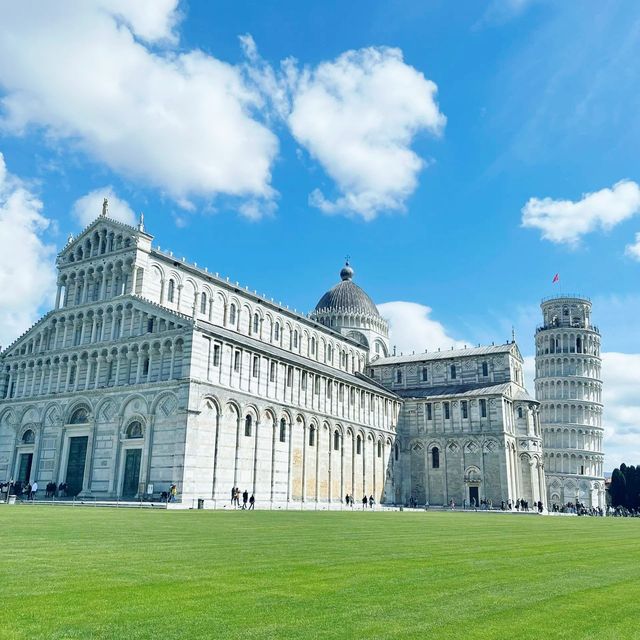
463,112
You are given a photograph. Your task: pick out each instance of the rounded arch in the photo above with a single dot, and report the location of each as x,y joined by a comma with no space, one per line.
209,402
129,404
79,412
135,430
252,410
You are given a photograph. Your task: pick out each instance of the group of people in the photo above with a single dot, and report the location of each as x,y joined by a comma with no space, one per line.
579,509
26,491
349,501
487,505
622,512
248,502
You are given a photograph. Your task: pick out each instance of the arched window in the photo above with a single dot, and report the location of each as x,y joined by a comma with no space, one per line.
283,430
256,323
79,416
276,332
519,412
232,314
295,339
379,449
435,458
336,440
485,369
359,445
203,303
171,290
425,374
247,426
453,371
329,353
395,450
256,366
398,376
134,431
28,437
313,346
312,436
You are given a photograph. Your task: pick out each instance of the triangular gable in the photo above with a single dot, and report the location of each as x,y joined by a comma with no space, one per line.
115,226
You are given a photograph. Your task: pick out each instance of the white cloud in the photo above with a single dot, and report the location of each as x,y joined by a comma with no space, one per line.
411,328
566,221
89,207
27,272
358,116
179,121
621,399
633,249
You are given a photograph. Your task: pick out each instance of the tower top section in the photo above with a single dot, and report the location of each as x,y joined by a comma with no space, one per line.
568,310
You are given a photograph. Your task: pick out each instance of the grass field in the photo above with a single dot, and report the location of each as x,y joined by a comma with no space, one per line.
105,573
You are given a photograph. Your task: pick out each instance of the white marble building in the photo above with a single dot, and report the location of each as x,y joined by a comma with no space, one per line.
151,371
468,429
569,388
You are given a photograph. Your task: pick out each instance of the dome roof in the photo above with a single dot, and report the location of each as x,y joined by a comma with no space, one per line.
347,295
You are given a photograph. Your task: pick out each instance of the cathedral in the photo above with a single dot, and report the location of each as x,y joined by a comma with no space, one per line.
151,372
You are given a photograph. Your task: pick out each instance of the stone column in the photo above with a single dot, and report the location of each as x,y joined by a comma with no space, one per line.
8,392
97,381
103,285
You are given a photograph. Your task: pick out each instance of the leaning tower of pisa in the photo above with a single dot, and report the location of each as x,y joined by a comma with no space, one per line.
569,388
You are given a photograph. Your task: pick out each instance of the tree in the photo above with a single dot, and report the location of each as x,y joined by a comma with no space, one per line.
618,488
633,487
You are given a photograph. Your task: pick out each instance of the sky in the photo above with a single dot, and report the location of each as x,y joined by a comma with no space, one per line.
461,154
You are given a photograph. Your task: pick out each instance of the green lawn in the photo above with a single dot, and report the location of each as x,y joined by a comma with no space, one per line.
105,573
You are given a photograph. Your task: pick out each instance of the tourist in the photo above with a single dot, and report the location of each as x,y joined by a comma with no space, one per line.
371,502
245,498
26,492
346,499
364,502
233,496
34,490
252,502
172,493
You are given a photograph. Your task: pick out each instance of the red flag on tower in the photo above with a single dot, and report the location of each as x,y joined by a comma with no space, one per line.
556,278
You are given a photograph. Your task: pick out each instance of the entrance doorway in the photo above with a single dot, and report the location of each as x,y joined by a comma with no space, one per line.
76,463
131,473
24,469
474,494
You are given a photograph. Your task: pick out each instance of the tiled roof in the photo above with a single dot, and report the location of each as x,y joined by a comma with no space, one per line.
508,389
444,355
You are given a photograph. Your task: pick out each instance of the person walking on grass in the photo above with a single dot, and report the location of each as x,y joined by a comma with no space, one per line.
245,497
364,501
252,502
371,502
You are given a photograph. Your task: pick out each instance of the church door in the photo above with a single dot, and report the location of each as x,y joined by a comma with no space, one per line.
75,465
474,495
24,470
131,473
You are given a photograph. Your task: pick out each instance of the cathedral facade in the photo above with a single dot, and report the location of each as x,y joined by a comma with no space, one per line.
151,371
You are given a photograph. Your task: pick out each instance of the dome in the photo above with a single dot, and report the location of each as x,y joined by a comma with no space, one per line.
347,295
